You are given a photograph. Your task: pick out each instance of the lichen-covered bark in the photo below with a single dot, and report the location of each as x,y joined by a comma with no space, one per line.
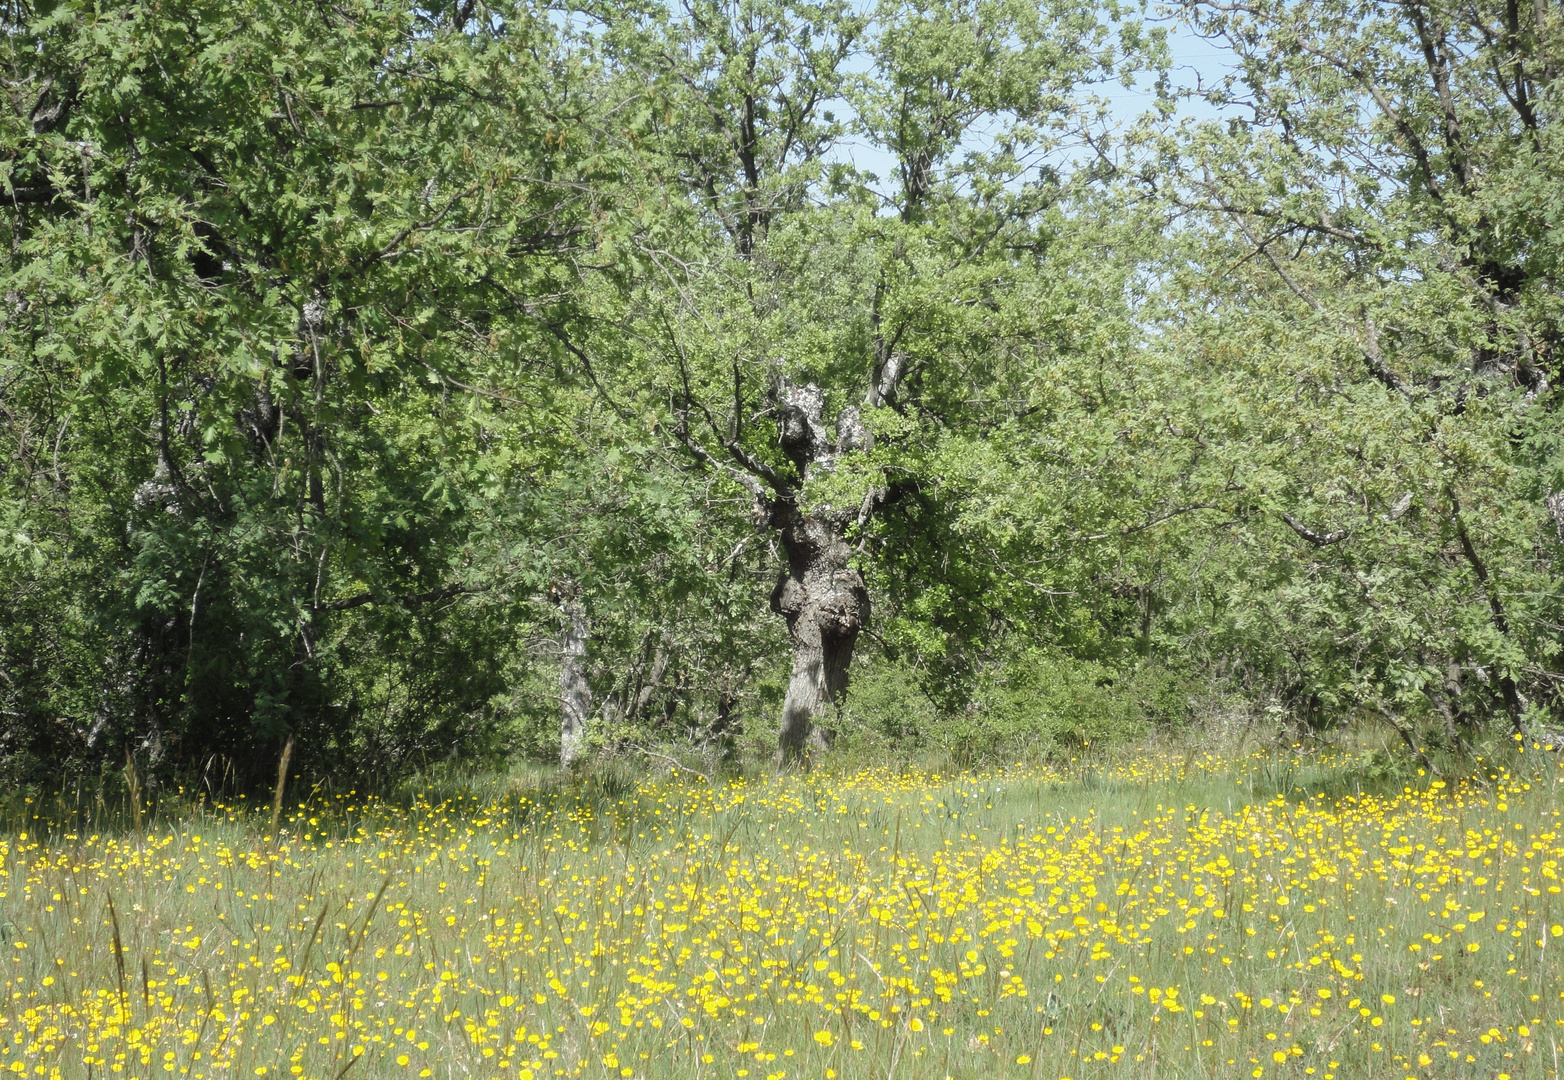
820,594
826,605
575,695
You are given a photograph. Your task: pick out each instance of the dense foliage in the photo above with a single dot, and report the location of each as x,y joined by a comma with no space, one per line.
394,379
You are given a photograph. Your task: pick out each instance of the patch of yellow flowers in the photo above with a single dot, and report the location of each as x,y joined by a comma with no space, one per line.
1155,918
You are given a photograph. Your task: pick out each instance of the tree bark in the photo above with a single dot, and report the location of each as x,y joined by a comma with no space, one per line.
820,594
1508,691
826,604
575,694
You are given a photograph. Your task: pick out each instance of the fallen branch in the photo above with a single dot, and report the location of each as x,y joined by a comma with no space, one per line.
670,760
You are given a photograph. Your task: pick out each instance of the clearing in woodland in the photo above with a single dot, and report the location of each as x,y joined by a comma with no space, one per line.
1263,915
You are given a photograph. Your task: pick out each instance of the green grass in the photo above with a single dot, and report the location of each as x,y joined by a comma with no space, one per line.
1171,914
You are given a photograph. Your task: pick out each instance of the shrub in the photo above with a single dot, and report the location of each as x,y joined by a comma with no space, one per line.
1036,701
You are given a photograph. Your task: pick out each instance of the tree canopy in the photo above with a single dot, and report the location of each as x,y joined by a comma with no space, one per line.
409,381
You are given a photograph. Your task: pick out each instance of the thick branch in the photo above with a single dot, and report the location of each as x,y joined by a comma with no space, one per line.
1158,520
1507,688
750,483
1437,59
746,461
1402,125
1501,623
1315,538
408,599
1369,347
33,195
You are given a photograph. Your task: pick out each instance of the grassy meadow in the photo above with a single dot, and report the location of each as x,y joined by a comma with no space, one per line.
1171,915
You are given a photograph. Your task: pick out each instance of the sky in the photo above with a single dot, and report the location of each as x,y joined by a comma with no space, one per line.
1195,61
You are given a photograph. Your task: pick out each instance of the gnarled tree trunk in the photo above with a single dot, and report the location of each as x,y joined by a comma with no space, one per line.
821,595
826,604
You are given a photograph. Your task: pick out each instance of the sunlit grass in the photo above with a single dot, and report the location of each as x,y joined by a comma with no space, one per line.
1179,915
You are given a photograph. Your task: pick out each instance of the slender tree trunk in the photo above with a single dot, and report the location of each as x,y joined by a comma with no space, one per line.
575,695
826,604
725,728
1508,691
